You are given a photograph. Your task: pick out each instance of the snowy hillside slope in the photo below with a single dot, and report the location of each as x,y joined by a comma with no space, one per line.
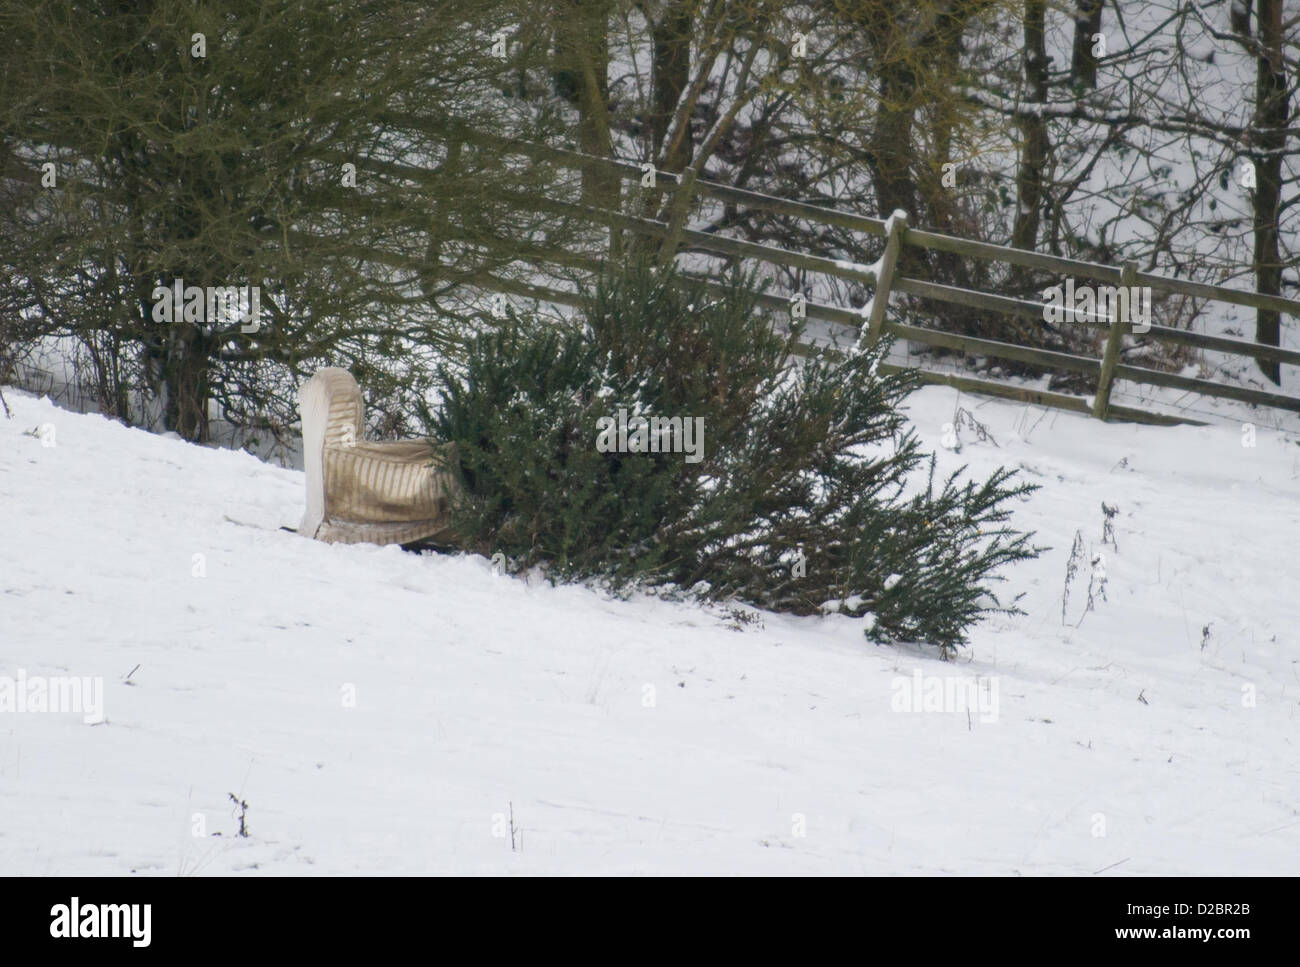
1159,735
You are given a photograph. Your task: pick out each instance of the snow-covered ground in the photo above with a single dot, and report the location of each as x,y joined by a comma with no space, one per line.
380,711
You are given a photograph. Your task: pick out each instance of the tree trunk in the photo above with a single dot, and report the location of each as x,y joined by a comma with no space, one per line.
582,77
1239,17
891,147
1087,22
1272,111
1033,156
186,380
670,76
940,203
670,66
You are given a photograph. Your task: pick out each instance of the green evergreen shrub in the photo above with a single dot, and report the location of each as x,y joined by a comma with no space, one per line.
810,494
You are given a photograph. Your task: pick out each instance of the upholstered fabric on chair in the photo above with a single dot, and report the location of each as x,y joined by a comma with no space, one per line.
360,492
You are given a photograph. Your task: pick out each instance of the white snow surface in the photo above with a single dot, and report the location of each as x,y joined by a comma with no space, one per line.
642,736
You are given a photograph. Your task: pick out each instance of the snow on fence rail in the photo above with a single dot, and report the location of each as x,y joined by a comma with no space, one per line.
674,235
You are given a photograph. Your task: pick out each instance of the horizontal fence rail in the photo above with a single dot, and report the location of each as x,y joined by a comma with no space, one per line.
1106,369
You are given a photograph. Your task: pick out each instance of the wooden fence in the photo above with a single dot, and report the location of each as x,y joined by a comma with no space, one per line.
674,236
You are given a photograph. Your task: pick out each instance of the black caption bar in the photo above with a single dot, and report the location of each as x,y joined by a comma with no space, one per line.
133,918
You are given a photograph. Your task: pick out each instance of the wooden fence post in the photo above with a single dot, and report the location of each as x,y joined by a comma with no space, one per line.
679,209
880,299
1115,341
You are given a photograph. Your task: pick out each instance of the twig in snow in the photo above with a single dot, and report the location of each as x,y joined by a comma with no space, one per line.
1112,866
243,813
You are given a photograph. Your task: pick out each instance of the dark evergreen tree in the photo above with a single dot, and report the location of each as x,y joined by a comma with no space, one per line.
809,494
314,151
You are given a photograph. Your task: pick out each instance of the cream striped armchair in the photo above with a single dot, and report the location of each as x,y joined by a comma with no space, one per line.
365,492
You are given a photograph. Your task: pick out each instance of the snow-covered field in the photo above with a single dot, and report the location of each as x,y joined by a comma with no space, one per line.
380,711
